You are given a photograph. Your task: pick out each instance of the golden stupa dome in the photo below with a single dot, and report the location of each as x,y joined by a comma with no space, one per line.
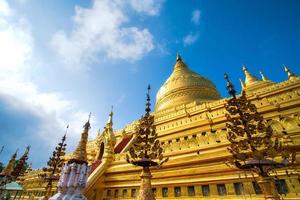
185,86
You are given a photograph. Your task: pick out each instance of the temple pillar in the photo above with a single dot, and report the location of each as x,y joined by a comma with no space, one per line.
158,192
145,192
268,188
184,191
198,190
171,192
213,190
230,189
248,188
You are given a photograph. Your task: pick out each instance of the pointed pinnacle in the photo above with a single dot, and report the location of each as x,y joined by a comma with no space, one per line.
290,74
110,119
148,104
263,77
90,116
87,125
178,57
229,86
249,78
66,131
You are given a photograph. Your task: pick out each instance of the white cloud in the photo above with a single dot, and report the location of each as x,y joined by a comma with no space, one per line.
190,39
196,16
151,7
102,29
4,8
15,45
51,109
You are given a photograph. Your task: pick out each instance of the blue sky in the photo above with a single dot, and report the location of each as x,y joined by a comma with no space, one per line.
62,59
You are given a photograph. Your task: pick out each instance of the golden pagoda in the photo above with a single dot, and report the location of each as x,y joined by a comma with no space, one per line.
185,86
190,122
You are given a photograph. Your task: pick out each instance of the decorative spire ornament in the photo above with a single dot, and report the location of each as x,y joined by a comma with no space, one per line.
109,137
6,174
179,65
178,57
263,77
146,151
80,155
249,78
10,166
75,172
252,144
110,118
290,74
21,165
55,163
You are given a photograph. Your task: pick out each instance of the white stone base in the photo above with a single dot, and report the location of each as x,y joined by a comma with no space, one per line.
60,196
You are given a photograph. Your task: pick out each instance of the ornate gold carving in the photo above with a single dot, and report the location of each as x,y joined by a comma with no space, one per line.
146,151
80,153
252,142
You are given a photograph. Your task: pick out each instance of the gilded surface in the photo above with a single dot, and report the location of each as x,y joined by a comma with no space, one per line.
194,137
80,153
185,86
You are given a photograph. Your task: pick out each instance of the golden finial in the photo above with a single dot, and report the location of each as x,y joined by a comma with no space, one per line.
263,77
179,65
80,154
242,84
178,57
290,74
249,78
10,166
110,118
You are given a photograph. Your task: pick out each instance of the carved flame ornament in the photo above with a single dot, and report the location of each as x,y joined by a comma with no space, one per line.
252,143
54,165
146,150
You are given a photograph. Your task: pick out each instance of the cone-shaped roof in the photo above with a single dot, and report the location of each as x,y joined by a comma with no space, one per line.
290,74
249,78
184,86
80,154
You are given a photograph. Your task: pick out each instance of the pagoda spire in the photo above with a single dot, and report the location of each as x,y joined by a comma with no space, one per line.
178,57
179,63
249,78
109,137
74,174
7,171
80,154
290,74
263,77
109,123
